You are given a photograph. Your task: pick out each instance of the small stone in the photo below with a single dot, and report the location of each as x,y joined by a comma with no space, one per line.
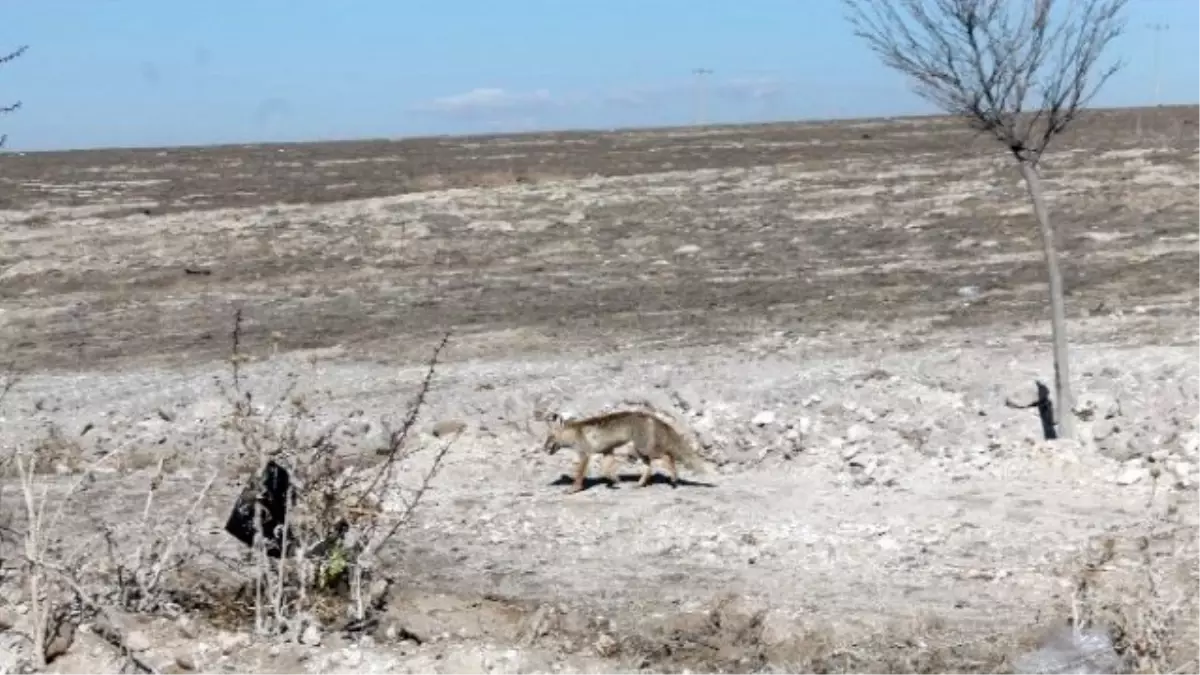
811,400
1097,406
230,642
1130,476
448,428
376,590
968,292
687,249
1191,444
849,452
311,635
763,418
1104,428
857,433
185,662
605,645
187,627
137,641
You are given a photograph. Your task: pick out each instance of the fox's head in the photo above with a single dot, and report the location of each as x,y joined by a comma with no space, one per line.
558,437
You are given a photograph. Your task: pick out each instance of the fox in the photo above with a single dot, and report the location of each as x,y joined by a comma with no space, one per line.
652,438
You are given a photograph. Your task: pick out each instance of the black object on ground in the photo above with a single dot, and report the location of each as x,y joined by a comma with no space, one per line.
272,496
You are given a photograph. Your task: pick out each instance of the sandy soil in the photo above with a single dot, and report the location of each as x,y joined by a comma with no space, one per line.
838,311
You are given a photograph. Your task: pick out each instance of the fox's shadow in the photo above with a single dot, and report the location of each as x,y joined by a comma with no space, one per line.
655,479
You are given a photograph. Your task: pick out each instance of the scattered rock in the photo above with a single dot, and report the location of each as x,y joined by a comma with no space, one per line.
137,641
1104,428
605,645
1097,406
763,419
187,627
185,662
448,428
1131,475
311,635
491,226
687,249
231,642
1068,651
857,433
1191,444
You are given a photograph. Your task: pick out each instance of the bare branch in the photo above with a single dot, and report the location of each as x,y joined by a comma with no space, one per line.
13,107
398,437
1019,71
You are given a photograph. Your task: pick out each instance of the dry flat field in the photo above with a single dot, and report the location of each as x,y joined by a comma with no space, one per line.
839,311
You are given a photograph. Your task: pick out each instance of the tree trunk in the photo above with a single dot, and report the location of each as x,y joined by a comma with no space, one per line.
1058,312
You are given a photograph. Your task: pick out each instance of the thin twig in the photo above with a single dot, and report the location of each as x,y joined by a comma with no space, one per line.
235,357
184,527
411,504
107,628
397,438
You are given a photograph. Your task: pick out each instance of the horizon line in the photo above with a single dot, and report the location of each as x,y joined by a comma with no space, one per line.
592,131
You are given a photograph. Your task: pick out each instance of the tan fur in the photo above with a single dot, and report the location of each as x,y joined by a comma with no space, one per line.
652,438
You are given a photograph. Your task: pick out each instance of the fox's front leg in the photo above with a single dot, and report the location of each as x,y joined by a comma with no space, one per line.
580,472
610,469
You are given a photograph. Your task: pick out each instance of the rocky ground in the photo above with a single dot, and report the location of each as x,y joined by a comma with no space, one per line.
841,323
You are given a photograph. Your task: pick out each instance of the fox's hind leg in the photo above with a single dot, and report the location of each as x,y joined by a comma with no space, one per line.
647,471
674,471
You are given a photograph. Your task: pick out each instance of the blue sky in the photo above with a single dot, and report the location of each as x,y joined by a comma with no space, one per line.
168,72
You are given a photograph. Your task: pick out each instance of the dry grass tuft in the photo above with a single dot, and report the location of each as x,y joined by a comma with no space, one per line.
341,515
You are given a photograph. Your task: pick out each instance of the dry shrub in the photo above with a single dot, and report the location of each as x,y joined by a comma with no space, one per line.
54,558
54,561
55,454
1140,586
320,561
338,522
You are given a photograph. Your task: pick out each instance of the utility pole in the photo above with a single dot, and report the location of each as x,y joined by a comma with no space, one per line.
1159,29
701,93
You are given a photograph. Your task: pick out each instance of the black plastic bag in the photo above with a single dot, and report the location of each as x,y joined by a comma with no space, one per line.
272,495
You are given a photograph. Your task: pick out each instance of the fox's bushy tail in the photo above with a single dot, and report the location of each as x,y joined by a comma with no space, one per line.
684,447
687,454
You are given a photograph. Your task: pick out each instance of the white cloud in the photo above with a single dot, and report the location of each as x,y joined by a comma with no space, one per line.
488,100
750,88
735,90
496,103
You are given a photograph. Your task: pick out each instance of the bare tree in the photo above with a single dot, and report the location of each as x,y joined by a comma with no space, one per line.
14,106
1019,71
